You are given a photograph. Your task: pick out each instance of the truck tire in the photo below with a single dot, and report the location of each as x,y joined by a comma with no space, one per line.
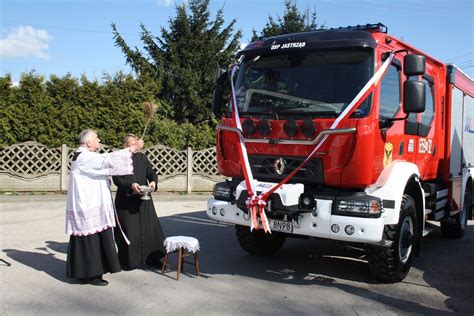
455,229
258,242
393,262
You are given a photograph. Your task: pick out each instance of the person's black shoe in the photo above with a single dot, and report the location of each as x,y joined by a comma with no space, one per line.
127,268
82,281
98,281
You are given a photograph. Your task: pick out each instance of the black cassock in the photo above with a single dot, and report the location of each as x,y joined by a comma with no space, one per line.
92,255
137,218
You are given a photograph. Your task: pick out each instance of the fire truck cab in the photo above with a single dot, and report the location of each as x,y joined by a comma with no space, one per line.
403,157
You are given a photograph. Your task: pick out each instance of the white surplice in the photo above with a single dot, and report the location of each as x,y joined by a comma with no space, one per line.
89,206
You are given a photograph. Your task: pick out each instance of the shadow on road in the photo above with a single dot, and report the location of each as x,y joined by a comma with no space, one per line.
304,262
447,266
57,246
298,262
44,261
322,262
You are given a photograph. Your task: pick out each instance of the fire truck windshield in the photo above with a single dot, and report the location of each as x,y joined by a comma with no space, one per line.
320,84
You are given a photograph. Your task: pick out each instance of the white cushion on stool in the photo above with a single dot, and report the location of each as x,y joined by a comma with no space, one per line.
173,243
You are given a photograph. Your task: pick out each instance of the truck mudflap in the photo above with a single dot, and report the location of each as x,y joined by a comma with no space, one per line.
320,223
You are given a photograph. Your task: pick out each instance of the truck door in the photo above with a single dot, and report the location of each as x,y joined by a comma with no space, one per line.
396,141
421,129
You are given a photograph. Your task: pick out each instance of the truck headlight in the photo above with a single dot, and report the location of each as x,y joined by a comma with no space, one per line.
225,191
361,206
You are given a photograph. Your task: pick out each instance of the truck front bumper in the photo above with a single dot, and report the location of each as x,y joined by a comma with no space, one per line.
321,223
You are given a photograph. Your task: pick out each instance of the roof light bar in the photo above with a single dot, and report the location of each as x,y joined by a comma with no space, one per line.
377,27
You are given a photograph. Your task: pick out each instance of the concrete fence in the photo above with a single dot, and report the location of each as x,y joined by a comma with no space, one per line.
32,166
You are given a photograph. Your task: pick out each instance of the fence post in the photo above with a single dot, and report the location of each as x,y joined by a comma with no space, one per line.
189,171
64,162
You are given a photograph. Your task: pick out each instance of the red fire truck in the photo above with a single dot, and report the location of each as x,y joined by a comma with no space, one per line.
347,134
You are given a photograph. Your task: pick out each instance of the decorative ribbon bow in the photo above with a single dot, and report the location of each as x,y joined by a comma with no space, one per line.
256,206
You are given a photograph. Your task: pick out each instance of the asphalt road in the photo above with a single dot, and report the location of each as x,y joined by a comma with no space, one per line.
308,277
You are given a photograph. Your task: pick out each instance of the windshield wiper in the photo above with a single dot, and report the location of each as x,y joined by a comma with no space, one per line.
312,113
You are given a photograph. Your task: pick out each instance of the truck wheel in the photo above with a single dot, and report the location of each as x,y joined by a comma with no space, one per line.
258,242
455,229
392,263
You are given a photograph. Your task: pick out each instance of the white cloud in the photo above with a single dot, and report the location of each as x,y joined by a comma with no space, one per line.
169,3
25,41
165,3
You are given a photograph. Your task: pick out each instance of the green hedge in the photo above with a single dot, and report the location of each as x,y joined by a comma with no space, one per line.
56,110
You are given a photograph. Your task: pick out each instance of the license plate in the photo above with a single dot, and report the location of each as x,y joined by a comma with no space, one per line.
279,226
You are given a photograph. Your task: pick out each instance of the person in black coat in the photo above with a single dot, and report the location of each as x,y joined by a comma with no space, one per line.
138,217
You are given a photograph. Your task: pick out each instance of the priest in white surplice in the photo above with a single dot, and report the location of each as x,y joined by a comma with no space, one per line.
90,214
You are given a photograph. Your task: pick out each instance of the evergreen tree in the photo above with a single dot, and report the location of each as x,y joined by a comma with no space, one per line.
6,99
67,118
29,110
184,59
55,111
293,21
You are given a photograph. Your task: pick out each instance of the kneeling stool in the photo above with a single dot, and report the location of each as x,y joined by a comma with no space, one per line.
185,246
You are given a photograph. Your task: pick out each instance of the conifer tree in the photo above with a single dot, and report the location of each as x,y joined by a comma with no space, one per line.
293,21
183,60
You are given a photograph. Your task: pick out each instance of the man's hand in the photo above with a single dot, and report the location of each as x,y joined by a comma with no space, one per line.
152,185
135,188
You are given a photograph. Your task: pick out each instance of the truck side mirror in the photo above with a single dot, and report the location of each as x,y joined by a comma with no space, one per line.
414,65
413,96
221,75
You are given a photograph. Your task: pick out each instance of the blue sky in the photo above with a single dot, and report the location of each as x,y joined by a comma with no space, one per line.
74,36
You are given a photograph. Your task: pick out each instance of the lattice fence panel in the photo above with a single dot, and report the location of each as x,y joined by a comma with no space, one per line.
30,160
205,162
167,161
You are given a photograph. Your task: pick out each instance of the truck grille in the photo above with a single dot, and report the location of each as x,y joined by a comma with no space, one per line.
275,169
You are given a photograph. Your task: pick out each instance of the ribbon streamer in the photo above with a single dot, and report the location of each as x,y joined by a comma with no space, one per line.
252,202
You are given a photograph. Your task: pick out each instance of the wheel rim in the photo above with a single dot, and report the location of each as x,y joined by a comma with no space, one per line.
405,242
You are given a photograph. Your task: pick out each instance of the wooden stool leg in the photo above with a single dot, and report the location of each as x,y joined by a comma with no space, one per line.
196,262
165,261
180,262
